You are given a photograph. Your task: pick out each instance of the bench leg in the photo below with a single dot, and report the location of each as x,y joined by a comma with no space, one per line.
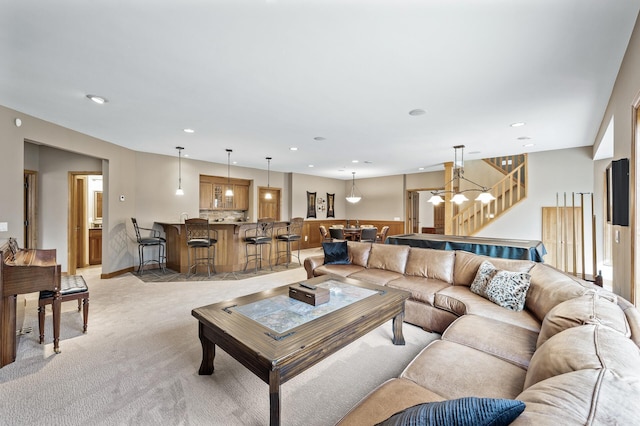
85,312
41,309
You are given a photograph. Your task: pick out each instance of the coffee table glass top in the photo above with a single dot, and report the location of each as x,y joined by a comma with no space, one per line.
282,313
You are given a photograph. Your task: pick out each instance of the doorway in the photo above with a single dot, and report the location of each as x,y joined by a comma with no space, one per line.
85,220
30,209
422,216
269,207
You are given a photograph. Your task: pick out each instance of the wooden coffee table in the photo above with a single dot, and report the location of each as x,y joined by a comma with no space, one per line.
277,352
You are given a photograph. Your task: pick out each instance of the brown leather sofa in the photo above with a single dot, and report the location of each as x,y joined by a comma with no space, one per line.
571,355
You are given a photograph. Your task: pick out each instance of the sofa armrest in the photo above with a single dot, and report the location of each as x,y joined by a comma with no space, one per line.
311,263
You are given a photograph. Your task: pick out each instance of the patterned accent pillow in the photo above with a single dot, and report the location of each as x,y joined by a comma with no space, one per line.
509,289
486,271
469,411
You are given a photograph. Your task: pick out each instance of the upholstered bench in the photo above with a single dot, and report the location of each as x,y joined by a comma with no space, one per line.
72,287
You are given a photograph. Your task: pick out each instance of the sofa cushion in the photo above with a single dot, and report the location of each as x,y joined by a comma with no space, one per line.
506,341
430,263
376,276
591,308
422,289
591,346
461,301
486,271
388,398
342,270
455,371
508,289
584,397
469,411
336,253
550,287
359,252
388,257
467,264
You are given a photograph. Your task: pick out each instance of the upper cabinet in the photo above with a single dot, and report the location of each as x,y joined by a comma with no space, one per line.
212,189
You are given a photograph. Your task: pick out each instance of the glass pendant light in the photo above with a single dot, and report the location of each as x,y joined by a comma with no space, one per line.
179,191
268,195
229,191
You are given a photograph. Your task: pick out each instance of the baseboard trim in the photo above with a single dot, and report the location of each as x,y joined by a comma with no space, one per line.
116,273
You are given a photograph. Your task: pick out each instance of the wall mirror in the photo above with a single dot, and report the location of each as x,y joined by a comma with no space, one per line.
97,204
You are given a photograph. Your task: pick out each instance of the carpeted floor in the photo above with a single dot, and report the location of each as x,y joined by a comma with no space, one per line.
157,275
138,363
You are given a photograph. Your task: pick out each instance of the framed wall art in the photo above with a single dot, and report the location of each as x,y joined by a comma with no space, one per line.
311,204
330,204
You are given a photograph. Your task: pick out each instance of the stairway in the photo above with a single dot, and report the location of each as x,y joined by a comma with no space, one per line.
509,191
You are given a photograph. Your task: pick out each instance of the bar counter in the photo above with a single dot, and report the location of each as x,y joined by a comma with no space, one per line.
230,248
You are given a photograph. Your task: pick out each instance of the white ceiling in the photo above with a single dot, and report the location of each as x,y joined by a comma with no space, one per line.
260,77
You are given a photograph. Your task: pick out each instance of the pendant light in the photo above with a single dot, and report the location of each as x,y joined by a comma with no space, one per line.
353,196
179,191
484,195
268,196
229,191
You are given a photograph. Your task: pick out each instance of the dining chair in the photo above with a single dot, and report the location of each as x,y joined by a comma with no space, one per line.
382,236
336,233
324,234
368,235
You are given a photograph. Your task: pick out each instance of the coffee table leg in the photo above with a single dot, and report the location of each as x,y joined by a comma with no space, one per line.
208,353
398,337
274,398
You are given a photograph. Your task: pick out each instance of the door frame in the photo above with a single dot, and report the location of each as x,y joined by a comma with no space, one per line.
409,207
74,222
276,194
30,223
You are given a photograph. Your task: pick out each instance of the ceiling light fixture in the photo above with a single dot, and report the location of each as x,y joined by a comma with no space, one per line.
458,174
179,191
353,196
267,196
229,191
98,99
518,124
188,130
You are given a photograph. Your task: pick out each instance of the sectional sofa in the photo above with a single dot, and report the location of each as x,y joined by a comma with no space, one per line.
511,330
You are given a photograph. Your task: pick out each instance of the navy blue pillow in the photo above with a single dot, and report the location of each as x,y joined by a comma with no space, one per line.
336,253
468,411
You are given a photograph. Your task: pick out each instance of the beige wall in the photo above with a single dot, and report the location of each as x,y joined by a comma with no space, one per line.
626,92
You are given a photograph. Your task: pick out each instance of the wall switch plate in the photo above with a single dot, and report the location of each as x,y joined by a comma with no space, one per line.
4,226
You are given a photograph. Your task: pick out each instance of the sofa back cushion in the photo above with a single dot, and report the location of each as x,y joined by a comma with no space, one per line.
550,287
430,263
590,308
467,264
390,257
359,253
591,346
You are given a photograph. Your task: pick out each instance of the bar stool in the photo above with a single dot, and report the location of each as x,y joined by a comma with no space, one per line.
199,237
72,287
258,237
291,234
151,241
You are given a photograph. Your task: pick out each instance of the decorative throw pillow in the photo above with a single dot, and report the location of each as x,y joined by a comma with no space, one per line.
486,271
336,253
509,289
470,411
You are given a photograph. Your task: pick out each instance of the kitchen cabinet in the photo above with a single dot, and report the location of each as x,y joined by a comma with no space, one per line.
95,246
212,189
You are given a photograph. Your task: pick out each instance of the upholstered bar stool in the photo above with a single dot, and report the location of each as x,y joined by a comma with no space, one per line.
201,237
291,234
258,237
153,240
72,287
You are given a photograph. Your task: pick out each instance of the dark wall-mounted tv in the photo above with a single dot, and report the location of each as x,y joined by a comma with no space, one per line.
618,192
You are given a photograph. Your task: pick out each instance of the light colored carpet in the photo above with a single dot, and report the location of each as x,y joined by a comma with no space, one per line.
138,363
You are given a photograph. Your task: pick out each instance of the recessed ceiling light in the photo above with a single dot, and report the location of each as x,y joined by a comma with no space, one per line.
319,138
234,162
420,168
529,145
189,130
354,161
293,148
473,152
98,99
518,124
417,111
311,165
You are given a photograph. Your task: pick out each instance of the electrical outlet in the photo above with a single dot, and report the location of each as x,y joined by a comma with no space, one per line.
306,238
4,226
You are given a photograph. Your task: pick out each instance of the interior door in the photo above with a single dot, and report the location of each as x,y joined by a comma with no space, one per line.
269,207
30,209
